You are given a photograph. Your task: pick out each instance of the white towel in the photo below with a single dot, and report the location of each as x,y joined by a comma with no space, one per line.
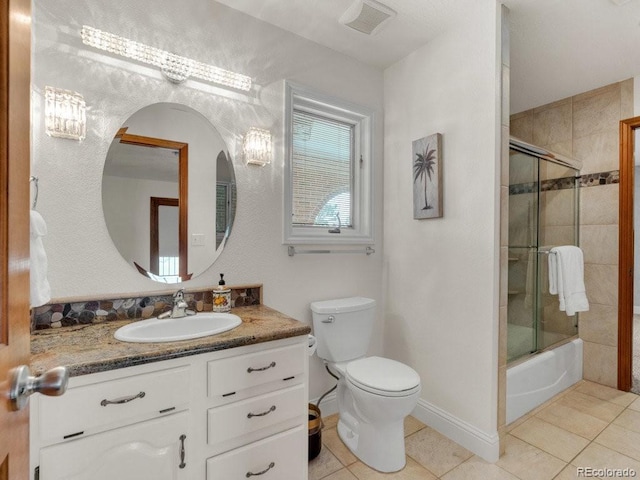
40,289
566,279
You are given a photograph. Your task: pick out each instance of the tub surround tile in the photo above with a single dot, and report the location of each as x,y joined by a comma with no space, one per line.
600,325
521,126
504,164
601,283
552,124
626,99
599,244
600,364
596,111
85,349
599,206
598,152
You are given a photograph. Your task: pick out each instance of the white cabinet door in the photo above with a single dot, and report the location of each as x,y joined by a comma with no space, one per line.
146,450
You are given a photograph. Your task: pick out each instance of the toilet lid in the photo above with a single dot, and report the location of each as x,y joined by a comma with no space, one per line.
376,374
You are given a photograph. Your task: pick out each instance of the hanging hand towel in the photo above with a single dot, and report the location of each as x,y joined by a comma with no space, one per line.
566,279
40,289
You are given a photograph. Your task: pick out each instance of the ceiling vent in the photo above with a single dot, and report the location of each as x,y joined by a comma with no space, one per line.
620,2
367,16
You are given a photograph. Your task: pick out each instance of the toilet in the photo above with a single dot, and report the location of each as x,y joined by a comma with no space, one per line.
374,394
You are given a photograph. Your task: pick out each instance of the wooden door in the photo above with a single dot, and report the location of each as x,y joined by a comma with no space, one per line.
15,57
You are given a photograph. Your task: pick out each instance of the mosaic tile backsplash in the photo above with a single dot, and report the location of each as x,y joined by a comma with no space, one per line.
56,315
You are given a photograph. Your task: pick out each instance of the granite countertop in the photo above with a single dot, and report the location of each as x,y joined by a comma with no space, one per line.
85,349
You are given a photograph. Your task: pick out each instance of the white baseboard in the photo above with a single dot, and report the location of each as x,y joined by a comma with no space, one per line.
485,445
636,310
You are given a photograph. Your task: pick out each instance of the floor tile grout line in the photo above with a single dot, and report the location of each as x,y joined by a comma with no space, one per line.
533,414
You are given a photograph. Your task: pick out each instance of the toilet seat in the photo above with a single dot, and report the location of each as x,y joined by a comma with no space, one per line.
383,376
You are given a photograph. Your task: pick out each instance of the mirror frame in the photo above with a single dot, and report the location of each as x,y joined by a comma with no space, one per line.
183,189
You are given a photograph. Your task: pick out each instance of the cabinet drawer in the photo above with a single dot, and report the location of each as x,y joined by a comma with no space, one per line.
248,416
231,375
91,408
281,457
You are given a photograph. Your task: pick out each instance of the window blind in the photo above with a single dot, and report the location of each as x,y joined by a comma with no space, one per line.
322,170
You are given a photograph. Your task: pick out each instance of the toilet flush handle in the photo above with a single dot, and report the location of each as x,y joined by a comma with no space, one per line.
329,319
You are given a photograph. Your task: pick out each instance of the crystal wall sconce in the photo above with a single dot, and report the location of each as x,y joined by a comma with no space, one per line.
257,147
175,68
64,114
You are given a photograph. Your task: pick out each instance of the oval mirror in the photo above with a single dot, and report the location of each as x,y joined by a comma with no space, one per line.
168,192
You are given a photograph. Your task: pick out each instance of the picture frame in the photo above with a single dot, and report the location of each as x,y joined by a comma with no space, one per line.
427,177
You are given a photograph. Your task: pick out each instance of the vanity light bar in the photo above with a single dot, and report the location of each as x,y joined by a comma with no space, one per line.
176,68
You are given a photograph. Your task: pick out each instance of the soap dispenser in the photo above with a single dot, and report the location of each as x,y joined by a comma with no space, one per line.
222,296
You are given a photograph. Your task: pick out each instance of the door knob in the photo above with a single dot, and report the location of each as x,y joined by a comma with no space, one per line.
52,383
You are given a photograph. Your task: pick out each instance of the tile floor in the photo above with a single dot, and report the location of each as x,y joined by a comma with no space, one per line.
588,425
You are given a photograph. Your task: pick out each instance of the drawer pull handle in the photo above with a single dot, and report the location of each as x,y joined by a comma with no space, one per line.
251,474
182,451
261,369
267,412
120,401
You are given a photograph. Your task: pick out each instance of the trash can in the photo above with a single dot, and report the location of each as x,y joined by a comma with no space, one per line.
315,431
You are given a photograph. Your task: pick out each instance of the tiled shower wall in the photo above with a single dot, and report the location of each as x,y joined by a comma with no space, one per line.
586,127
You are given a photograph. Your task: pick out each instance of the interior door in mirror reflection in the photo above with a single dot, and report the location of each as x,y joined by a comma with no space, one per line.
168,151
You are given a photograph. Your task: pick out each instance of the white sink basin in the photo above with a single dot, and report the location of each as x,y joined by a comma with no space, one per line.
174,329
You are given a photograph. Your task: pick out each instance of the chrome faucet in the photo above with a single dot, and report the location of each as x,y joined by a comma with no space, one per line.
179,308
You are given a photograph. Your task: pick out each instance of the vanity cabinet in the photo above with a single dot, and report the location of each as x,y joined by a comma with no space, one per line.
228,414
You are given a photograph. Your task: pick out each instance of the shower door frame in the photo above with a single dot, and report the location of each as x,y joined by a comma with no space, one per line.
541,154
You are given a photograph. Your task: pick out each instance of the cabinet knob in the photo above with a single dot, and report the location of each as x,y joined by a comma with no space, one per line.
51,383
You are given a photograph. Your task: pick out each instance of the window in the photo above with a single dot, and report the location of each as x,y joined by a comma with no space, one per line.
328,170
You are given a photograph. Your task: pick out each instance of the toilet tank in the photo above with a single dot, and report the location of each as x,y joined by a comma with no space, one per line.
343,327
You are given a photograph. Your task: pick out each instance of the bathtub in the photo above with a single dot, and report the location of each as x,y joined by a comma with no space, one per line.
544,375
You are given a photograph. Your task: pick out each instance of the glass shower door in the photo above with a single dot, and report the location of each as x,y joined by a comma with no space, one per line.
523,259
558,225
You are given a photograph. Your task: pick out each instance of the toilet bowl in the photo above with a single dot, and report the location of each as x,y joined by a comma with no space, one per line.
372,408
374,394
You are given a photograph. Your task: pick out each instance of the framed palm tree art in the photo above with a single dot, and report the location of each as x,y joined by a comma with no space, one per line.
427,177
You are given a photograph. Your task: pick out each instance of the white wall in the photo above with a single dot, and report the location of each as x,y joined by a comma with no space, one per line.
83,261
441,275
